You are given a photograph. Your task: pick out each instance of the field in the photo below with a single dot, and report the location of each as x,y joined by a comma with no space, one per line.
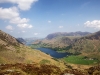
80,60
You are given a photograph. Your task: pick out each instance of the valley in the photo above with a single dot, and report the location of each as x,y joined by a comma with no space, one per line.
57,56
85,49
49,37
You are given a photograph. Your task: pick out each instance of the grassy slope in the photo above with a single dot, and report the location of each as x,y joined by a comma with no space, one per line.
87,47
11,51
80,60
26,55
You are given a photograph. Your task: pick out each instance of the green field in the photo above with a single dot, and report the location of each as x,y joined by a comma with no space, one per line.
80,60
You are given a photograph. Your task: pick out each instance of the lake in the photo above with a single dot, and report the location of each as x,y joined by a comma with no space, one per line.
53,53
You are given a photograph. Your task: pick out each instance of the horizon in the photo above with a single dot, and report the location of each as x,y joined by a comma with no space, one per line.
38,18
48,34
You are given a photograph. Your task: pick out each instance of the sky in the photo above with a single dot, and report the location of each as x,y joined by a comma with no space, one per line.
38,18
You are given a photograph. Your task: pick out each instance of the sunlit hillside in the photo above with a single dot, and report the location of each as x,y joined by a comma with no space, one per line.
11,51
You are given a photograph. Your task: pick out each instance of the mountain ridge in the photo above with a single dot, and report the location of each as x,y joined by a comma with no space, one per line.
88,45
78,33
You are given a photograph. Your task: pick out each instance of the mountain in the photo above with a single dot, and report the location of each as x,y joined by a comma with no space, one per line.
21,40
88,46
59,40
31,40
12,51
57,34
95,36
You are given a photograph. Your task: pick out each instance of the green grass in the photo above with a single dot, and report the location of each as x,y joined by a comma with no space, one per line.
35,46
44,61
79,60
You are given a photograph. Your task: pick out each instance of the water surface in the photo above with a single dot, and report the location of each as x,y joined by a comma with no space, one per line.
53,53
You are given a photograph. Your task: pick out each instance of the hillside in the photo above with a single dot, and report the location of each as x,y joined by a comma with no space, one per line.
59,40
88,46
12,51
18,59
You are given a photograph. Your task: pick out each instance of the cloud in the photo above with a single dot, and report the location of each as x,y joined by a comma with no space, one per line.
22,4
9,13
25,4
49,21
93,24
12,15
36,33
24,25
9,27
18,20
61,26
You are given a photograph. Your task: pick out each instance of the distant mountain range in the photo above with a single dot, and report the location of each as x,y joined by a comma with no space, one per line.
84,43
61,39
57,34
31,40
27,41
